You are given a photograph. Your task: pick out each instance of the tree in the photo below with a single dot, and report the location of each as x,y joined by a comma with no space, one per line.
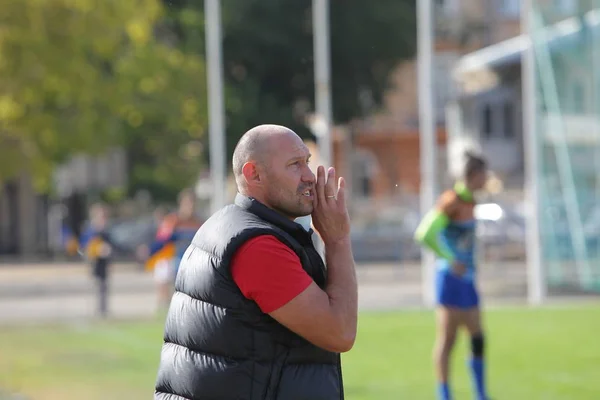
166,119
80,76
268,57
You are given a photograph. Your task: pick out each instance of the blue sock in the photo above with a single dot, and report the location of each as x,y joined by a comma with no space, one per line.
477,369
444,391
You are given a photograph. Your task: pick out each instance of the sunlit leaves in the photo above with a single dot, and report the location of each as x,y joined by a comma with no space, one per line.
84,75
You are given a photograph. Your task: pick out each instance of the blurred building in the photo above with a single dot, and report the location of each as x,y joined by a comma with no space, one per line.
30,222
23,221
479,24
380,152
488,105
566,47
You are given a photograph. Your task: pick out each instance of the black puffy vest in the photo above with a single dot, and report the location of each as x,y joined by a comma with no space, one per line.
220,345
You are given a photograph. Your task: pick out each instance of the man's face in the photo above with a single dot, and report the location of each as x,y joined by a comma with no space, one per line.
289,182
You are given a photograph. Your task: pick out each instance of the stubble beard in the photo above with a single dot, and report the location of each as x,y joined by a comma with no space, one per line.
292,205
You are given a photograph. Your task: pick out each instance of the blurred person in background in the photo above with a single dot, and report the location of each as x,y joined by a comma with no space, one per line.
449,231
97,248
174,235
158,215
256,312
142,252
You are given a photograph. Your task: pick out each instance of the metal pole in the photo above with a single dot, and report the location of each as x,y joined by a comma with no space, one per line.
216,113
322,79
427,132
536,288
594,44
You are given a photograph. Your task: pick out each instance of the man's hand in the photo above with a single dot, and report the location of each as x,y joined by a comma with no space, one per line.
330,214
328,318
458,268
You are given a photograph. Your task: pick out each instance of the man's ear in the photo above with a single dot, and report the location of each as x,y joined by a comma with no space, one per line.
251,174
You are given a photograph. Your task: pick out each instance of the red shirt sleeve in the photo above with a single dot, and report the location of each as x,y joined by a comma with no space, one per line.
268,272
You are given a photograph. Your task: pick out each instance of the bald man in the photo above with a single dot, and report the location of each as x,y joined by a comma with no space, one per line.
257,313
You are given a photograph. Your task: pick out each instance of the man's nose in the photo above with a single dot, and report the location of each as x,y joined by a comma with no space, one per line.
309,176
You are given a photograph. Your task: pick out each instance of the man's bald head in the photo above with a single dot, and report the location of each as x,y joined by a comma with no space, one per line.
257,145
270,163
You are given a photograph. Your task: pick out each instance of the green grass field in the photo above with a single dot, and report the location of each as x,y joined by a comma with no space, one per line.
550,353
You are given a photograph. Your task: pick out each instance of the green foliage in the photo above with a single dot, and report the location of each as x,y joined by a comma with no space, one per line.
165,120
82,75
268,56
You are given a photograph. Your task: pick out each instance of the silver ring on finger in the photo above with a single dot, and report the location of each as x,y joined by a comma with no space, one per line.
331,197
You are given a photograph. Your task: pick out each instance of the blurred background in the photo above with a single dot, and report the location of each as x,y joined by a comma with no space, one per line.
131,102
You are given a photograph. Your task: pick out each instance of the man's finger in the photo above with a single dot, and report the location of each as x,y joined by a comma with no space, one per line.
341,192
330,185
320,185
